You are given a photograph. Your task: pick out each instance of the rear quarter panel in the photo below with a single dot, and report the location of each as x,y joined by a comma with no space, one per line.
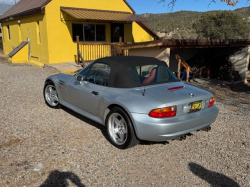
132,100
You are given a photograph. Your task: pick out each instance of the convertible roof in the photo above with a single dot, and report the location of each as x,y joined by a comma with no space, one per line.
119,75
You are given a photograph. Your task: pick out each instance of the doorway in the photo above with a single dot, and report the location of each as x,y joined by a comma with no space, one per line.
117,31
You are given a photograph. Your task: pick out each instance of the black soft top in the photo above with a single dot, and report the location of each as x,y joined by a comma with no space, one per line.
119,75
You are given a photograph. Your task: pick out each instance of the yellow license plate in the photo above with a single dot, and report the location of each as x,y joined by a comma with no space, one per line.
195,106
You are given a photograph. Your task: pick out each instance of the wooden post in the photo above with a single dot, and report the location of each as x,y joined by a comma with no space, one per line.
179,69
188,69
78,48
120,43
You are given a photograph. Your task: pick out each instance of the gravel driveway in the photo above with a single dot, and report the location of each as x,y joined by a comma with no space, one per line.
40,146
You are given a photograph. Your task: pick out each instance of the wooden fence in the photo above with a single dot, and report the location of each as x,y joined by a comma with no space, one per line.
89,51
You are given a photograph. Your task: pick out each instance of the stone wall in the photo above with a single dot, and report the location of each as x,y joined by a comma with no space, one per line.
240,60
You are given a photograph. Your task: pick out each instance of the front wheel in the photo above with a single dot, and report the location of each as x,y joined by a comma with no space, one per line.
50,95
120,129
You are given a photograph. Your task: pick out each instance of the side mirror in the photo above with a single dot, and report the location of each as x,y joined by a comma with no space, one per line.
79,78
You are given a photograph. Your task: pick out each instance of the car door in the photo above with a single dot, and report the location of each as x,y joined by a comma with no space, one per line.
86,94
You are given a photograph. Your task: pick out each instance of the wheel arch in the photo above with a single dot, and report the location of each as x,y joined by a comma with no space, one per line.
49,80
110,107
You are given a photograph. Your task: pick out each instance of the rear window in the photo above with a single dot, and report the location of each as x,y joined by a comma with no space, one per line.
151,74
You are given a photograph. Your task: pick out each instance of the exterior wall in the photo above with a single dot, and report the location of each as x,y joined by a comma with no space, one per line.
28,28
139,34
61,46
128,33
57,45
161,54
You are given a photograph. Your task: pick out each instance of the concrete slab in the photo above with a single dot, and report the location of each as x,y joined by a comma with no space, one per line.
64,67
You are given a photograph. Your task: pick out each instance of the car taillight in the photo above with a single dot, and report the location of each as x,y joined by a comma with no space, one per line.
211,102
163,112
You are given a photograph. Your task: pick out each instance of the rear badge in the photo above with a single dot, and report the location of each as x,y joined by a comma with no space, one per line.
192,95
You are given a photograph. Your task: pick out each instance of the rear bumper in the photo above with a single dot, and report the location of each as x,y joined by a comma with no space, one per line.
152,129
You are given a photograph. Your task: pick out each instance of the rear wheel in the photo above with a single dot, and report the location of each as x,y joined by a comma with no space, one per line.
120,129
50,95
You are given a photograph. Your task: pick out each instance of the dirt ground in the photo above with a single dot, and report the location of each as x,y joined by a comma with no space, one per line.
43,147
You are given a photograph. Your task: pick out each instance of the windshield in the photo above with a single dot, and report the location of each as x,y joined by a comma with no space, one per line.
151,74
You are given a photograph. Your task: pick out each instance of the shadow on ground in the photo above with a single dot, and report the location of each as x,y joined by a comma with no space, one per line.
239,87
103,128
86,120
213,178
60,179
234,86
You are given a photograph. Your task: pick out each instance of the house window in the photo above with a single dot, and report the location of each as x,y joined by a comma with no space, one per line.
89,32
8,29
38,32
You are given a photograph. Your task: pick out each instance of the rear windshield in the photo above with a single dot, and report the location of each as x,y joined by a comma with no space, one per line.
151,74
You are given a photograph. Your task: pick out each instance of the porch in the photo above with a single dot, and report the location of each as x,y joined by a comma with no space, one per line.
90,51
101,33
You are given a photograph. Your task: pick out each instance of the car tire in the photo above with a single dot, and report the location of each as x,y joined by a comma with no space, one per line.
120,129
50,95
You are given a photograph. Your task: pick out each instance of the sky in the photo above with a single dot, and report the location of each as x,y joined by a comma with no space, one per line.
152,6
8,1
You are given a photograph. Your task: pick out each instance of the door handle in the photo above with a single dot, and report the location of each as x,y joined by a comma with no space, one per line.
95,93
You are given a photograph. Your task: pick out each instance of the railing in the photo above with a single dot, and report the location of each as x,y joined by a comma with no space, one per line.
185,65
91,51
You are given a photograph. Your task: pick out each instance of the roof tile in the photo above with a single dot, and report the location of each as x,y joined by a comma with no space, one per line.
104,15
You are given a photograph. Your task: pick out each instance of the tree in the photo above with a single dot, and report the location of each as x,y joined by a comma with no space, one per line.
222,25
171,3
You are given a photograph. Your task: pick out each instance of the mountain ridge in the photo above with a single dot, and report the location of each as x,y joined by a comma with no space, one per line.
180,24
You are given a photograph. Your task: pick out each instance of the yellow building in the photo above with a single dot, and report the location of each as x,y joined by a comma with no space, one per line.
44,31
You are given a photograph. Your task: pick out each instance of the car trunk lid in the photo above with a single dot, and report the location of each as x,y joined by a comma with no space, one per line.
179,94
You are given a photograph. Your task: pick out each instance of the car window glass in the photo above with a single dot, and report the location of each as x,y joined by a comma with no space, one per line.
151,74
135,75
84,72
99,74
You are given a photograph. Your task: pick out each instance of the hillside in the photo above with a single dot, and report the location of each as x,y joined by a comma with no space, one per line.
180,24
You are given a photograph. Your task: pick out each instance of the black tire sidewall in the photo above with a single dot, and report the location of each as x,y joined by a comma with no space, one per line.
130,129
45,86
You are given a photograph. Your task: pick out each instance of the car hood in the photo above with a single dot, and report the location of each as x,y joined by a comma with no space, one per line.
184,95
70,72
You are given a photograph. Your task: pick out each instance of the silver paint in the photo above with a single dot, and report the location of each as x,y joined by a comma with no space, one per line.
80,99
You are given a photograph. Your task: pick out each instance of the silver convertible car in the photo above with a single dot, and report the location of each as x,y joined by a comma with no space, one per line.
136,98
